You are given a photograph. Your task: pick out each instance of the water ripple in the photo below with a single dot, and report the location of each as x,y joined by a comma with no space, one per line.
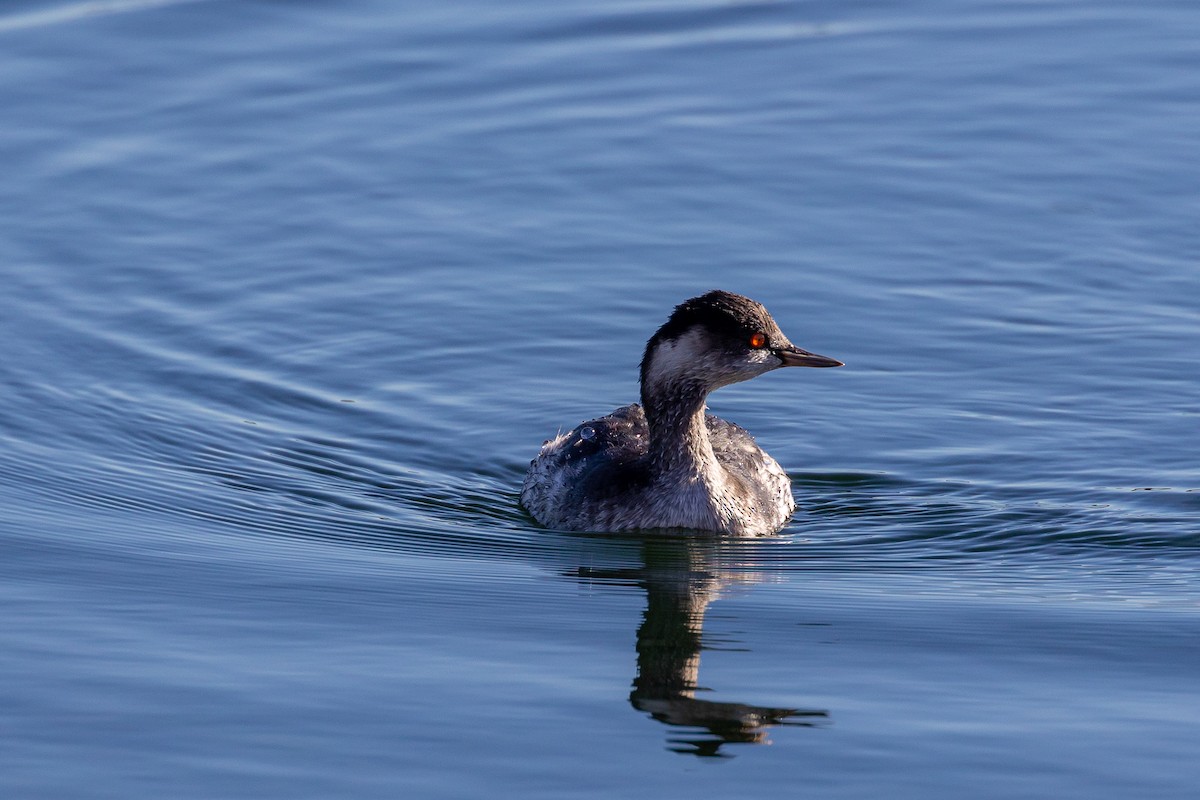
76,12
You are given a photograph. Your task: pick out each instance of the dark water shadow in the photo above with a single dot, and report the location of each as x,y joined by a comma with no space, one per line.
681,578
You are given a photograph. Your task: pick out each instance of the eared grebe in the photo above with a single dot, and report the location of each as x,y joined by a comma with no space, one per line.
665,463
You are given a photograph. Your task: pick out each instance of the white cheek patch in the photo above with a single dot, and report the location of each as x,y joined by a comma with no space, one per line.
756,363
692,356
763,357
679,357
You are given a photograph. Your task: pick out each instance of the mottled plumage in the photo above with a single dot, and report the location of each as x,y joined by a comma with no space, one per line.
666,463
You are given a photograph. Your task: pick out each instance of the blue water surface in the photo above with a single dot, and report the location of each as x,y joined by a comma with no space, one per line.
292,292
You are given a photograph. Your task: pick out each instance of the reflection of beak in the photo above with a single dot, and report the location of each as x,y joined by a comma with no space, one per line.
793,356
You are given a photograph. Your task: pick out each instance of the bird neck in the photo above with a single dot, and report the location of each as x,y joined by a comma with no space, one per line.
678,433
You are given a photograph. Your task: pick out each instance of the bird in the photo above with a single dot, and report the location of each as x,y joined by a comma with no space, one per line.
665,464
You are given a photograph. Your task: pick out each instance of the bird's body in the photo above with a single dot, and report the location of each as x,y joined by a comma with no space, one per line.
666,463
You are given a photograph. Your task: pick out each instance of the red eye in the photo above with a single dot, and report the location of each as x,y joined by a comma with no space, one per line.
758,341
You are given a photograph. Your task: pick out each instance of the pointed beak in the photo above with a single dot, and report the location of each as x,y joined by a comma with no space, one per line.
793,356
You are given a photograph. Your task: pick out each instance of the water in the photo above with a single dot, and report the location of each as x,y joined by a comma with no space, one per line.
292,293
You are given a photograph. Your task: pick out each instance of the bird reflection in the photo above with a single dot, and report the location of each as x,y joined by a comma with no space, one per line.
681,577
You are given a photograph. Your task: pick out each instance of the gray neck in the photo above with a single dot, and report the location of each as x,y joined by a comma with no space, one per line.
678,434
